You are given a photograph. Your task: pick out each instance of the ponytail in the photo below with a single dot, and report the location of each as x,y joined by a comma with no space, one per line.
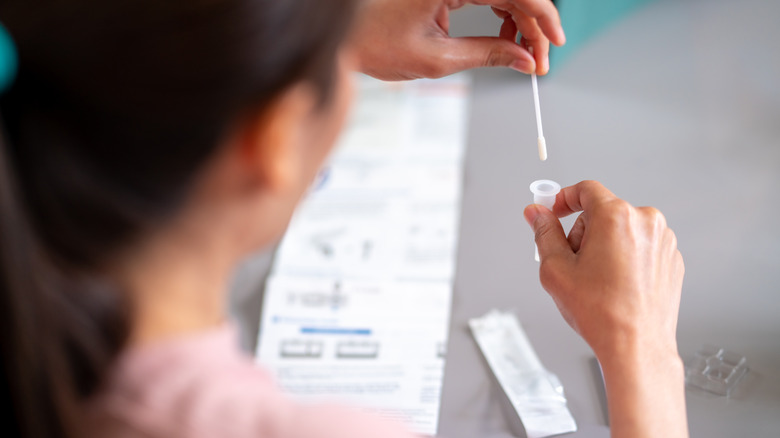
115,109
60,329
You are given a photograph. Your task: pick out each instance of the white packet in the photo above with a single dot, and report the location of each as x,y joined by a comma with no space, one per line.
536,394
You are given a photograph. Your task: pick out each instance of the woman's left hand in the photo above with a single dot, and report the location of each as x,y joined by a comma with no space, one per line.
408,39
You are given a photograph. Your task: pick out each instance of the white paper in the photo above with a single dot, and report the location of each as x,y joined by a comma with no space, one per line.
357,307
374,344
387,205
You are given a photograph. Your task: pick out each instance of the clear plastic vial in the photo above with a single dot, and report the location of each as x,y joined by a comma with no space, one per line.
544,191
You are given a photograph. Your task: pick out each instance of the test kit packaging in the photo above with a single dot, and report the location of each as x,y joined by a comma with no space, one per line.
535,394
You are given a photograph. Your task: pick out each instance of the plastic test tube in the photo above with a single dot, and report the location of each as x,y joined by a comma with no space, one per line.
544,191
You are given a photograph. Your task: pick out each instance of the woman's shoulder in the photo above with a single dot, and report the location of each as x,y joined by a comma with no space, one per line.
205,386
196,385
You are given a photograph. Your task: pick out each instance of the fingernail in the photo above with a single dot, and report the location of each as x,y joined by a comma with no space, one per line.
523,66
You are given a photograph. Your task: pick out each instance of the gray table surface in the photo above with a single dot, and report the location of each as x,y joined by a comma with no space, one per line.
678,107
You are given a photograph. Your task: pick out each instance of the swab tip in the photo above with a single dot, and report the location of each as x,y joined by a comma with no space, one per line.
542,148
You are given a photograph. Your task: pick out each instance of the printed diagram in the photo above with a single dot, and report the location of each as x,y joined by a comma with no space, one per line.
441,350
301,349
351,250
334,300
337,244
314,349
324,242
429,243
357,350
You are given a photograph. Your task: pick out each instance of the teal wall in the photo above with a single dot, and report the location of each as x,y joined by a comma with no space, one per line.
583,19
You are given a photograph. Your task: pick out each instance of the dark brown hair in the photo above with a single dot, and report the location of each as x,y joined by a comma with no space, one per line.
116,107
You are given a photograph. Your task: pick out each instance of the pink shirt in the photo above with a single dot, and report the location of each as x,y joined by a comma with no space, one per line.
204,386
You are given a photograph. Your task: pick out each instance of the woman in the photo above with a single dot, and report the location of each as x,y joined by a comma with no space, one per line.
150,145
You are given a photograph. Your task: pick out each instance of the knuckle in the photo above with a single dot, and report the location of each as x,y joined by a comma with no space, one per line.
621,208
654,216
618,209
615,214
672,239
535,9
590,185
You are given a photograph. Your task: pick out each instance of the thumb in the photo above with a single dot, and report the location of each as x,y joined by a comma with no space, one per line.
471,52
549,235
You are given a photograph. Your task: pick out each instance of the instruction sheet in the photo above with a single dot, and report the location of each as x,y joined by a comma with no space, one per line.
357,306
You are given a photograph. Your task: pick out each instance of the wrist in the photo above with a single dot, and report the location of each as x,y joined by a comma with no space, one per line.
641,365
629,350
642,379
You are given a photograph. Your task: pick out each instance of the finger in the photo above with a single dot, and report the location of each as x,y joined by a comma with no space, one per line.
533,38
577,233
529,28
670,240
540,49
443,19
500,13
680,264
545,14
535,41
471,52
582,196
508,30
543,11
548,233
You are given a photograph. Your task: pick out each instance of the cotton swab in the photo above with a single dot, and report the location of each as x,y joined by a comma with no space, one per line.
540,142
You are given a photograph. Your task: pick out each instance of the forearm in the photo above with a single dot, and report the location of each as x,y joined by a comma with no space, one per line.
645,394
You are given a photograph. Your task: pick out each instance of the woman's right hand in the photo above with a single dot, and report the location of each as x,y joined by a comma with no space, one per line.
618,276
617,280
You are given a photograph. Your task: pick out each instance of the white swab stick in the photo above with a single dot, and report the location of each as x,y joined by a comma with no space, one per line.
541,143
